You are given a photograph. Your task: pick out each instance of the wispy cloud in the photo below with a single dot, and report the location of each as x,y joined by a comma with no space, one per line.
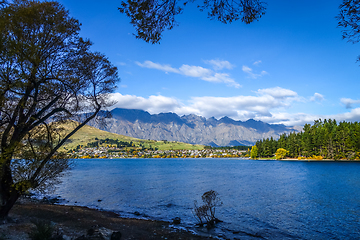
219,64
163,67
251,74
317,97
195,71
120,63
348,102
256,63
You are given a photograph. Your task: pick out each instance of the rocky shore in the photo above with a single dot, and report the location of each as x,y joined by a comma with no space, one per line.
81,223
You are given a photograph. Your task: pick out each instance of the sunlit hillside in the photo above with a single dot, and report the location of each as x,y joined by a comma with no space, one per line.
88,134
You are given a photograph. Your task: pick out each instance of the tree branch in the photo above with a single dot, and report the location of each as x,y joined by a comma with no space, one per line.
53,151
47,116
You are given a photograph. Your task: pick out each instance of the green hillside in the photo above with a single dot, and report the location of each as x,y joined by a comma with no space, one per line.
88,134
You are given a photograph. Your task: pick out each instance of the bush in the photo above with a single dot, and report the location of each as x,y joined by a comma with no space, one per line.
44,231
205,214
314,157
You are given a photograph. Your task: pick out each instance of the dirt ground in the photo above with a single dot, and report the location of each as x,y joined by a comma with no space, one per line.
73,222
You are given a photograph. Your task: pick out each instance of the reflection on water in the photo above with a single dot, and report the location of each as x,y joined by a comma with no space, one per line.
266,199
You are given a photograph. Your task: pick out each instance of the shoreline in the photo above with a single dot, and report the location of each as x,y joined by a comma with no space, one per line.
233,158
305,160
75,221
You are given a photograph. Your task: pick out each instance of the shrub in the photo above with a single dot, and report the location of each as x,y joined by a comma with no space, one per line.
44,231
317,157
205,214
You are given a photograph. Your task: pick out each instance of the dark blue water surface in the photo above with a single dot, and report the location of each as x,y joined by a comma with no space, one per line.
261,199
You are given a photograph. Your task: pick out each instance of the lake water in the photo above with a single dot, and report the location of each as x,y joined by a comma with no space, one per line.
261,199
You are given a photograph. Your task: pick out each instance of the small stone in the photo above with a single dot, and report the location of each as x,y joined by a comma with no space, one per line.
176,220
115,236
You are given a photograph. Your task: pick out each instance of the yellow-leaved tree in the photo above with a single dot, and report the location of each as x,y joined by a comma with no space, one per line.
281,153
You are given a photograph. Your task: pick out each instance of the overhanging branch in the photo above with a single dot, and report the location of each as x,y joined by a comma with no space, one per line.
48,157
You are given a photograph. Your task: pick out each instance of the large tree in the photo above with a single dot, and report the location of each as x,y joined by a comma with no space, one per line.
151,17
48,75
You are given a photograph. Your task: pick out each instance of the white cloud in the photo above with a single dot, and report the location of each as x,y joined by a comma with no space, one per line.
317,97
267,106
219,65
299,119
229,106
251,74
237,107
348,102
278,92
246,69
353,115
152,104
194,71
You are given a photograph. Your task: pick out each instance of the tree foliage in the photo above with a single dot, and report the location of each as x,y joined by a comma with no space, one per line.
254,152
281,153
152,17
349,20
328,139
47,75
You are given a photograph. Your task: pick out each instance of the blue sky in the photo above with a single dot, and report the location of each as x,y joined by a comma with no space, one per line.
291,67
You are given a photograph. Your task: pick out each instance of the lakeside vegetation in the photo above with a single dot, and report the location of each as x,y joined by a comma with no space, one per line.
108,148
323,140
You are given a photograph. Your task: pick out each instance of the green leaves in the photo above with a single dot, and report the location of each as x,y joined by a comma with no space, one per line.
328,139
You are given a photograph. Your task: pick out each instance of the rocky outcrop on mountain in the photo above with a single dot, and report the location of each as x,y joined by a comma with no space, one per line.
190,128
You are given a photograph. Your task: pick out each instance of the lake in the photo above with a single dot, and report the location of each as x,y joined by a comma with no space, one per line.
261,199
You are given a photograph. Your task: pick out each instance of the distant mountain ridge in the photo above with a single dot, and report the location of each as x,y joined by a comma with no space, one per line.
190,128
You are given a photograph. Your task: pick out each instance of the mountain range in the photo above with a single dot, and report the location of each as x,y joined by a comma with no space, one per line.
189,128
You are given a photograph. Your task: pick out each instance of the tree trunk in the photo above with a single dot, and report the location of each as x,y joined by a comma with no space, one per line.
7,206
8,194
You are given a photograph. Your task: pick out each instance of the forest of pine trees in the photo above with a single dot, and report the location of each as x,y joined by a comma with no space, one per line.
324,139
